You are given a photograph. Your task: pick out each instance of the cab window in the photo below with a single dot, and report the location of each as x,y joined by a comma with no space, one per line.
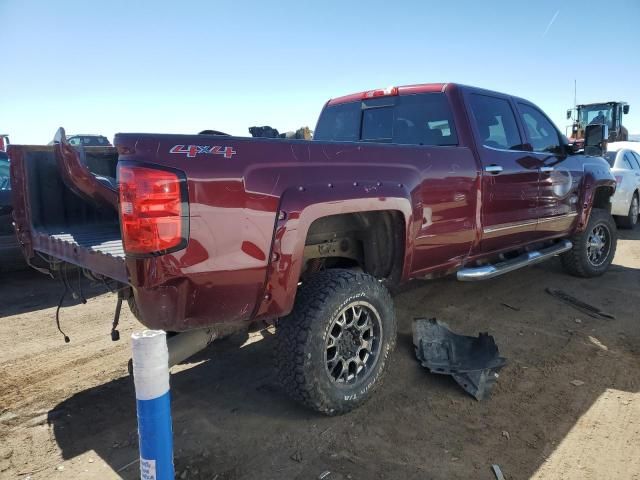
420,119
423,119
377,124
543,136
496,122
339,123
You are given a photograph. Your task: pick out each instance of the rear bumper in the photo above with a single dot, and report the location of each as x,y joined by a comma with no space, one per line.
172,294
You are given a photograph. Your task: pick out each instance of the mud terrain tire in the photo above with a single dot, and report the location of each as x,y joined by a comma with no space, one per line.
594,248
332,349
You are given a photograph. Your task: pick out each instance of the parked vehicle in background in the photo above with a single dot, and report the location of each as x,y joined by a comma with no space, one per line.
204,233
88,140
10,254
625,166
606,113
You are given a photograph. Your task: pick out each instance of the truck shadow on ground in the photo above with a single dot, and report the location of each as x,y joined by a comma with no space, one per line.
231,419
28,290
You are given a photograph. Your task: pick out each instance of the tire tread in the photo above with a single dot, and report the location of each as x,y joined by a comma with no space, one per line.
293,334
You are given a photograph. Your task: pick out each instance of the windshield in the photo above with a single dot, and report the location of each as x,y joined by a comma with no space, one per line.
596,114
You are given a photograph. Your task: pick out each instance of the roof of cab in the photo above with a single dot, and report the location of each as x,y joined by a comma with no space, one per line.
403,90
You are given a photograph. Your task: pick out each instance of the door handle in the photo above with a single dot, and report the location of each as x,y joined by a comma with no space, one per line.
546,169
493,169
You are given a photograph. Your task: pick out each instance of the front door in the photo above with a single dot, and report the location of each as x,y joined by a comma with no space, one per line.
509,178
560,175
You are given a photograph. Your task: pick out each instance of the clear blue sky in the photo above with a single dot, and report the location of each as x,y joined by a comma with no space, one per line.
118,66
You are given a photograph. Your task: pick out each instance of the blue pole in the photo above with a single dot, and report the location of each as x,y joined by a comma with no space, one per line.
153,401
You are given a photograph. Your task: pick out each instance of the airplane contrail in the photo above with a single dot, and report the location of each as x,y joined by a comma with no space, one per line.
553,19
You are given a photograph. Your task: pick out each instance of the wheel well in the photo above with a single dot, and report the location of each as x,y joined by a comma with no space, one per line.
373,241
602,198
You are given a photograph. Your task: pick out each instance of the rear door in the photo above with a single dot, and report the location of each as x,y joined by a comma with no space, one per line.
636,170
422,139
510,175
559,175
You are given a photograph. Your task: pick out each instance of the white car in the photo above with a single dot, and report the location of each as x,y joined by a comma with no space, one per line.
624,158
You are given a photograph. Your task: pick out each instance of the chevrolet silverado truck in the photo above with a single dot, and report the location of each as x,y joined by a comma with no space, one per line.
211,233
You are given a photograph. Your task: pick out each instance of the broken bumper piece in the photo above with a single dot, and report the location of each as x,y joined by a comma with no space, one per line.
473,362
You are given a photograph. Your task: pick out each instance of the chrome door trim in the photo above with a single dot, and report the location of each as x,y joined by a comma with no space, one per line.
508,226
557,217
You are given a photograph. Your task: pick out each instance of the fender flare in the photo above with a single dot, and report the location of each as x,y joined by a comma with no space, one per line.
595,176
298,209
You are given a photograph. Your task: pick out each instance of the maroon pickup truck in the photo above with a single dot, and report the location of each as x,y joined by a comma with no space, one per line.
205,233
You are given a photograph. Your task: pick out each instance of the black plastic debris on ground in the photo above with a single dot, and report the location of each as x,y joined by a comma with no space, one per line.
474,362
584,307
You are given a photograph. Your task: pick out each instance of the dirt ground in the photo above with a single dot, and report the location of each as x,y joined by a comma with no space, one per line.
68,410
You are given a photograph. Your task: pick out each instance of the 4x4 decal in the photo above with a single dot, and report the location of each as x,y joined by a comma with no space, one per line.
193,150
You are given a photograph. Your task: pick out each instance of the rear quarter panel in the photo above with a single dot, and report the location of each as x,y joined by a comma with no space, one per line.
243,260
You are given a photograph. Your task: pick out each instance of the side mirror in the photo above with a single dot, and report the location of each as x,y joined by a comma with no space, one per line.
568,114
595,139
625,109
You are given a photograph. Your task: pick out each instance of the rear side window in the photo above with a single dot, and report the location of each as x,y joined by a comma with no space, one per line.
496,122
422,119
340,123
637,158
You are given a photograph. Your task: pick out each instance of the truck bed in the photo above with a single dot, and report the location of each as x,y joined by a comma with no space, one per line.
64,225
105,240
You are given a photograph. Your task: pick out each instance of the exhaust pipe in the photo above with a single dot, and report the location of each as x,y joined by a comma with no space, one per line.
184,345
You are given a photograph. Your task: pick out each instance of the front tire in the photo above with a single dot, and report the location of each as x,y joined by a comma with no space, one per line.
333,347
593,249
631,219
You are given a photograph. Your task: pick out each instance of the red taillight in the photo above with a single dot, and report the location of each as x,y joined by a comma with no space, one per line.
382,92
153,215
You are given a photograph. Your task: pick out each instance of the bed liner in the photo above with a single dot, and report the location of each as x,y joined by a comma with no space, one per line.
88,246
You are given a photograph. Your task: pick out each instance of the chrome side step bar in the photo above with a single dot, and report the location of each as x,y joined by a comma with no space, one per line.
485,272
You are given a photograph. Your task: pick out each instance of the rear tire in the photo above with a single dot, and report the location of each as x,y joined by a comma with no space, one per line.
332,349
593,249
631,220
